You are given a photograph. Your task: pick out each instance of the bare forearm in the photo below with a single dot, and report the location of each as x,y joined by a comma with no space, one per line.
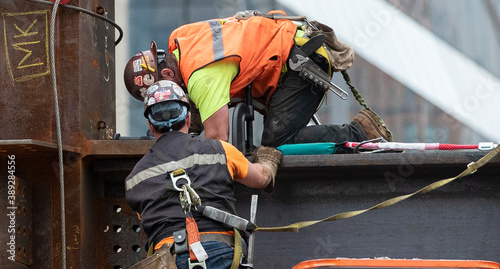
217,125
214,133
258,176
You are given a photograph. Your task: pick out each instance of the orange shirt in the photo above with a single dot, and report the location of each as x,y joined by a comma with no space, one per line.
236,161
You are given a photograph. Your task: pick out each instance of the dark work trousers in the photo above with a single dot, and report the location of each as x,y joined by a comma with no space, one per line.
291,108
220,256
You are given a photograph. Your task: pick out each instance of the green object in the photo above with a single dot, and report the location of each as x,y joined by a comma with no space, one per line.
308,149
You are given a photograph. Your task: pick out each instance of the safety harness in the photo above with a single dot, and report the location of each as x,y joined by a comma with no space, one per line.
189,199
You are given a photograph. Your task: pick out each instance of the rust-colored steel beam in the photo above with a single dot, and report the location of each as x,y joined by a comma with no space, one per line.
84,59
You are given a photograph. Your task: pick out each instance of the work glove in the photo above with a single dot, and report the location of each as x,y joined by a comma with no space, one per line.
270,158
341,55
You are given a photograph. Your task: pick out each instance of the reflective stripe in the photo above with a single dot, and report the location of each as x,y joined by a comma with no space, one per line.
218,45
188,162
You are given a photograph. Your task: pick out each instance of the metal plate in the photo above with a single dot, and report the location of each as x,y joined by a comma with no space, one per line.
24,226
121,237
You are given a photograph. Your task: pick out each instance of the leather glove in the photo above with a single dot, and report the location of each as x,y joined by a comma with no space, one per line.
270,158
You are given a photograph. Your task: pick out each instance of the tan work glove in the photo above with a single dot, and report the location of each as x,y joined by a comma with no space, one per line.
270,158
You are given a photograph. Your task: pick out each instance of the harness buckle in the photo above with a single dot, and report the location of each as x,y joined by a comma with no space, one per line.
196,264
178,174
472,168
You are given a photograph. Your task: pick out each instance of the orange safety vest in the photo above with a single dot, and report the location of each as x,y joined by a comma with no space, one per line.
262,46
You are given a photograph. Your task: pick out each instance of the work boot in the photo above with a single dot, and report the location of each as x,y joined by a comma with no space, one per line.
373,125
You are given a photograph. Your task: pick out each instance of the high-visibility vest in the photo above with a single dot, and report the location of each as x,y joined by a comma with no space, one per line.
261,46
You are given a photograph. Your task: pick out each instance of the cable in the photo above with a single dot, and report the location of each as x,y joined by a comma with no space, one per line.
93,14
59,135
56,106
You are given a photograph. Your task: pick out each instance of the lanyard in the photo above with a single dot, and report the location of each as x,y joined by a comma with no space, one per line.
189,198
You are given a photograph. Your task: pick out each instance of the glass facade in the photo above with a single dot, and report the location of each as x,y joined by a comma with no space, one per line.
472,27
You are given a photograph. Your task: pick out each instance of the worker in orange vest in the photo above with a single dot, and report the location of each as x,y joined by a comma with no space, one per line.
215,60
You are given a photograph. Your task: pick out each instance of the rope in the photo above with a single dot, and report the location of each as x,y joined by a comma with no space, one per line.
471,168
414,146
454,147
93,14
59,135
362,102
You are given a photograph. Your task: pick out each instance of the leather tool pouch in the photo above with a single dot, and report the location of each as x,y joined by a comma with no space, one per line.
161,259
180,242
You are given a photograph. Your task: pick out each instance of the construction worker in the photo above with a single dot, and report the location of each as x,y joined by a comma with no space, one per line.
215,60
211,167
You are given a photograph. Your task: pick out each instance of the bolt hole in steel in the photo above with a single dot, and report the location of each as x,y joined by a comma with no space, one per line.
101,125
136,248
117,228
117,208
117,249
136,228
100,10
117,267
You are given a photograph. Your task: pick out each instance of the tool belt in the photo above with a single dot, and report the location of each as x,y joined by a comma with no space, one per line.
165,256
240,247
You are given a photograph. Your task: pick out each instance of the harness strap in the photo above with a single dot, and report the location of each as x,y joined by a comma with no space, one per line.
238,251
196,251
312,45
226,218
197,254
224,238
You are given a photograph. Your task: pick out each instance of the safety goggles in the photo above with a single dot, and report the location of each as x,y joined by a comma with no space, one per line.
160,55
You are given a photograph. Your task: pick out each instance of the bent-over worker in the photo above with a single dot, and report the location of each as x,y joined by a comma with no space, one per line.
215,60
